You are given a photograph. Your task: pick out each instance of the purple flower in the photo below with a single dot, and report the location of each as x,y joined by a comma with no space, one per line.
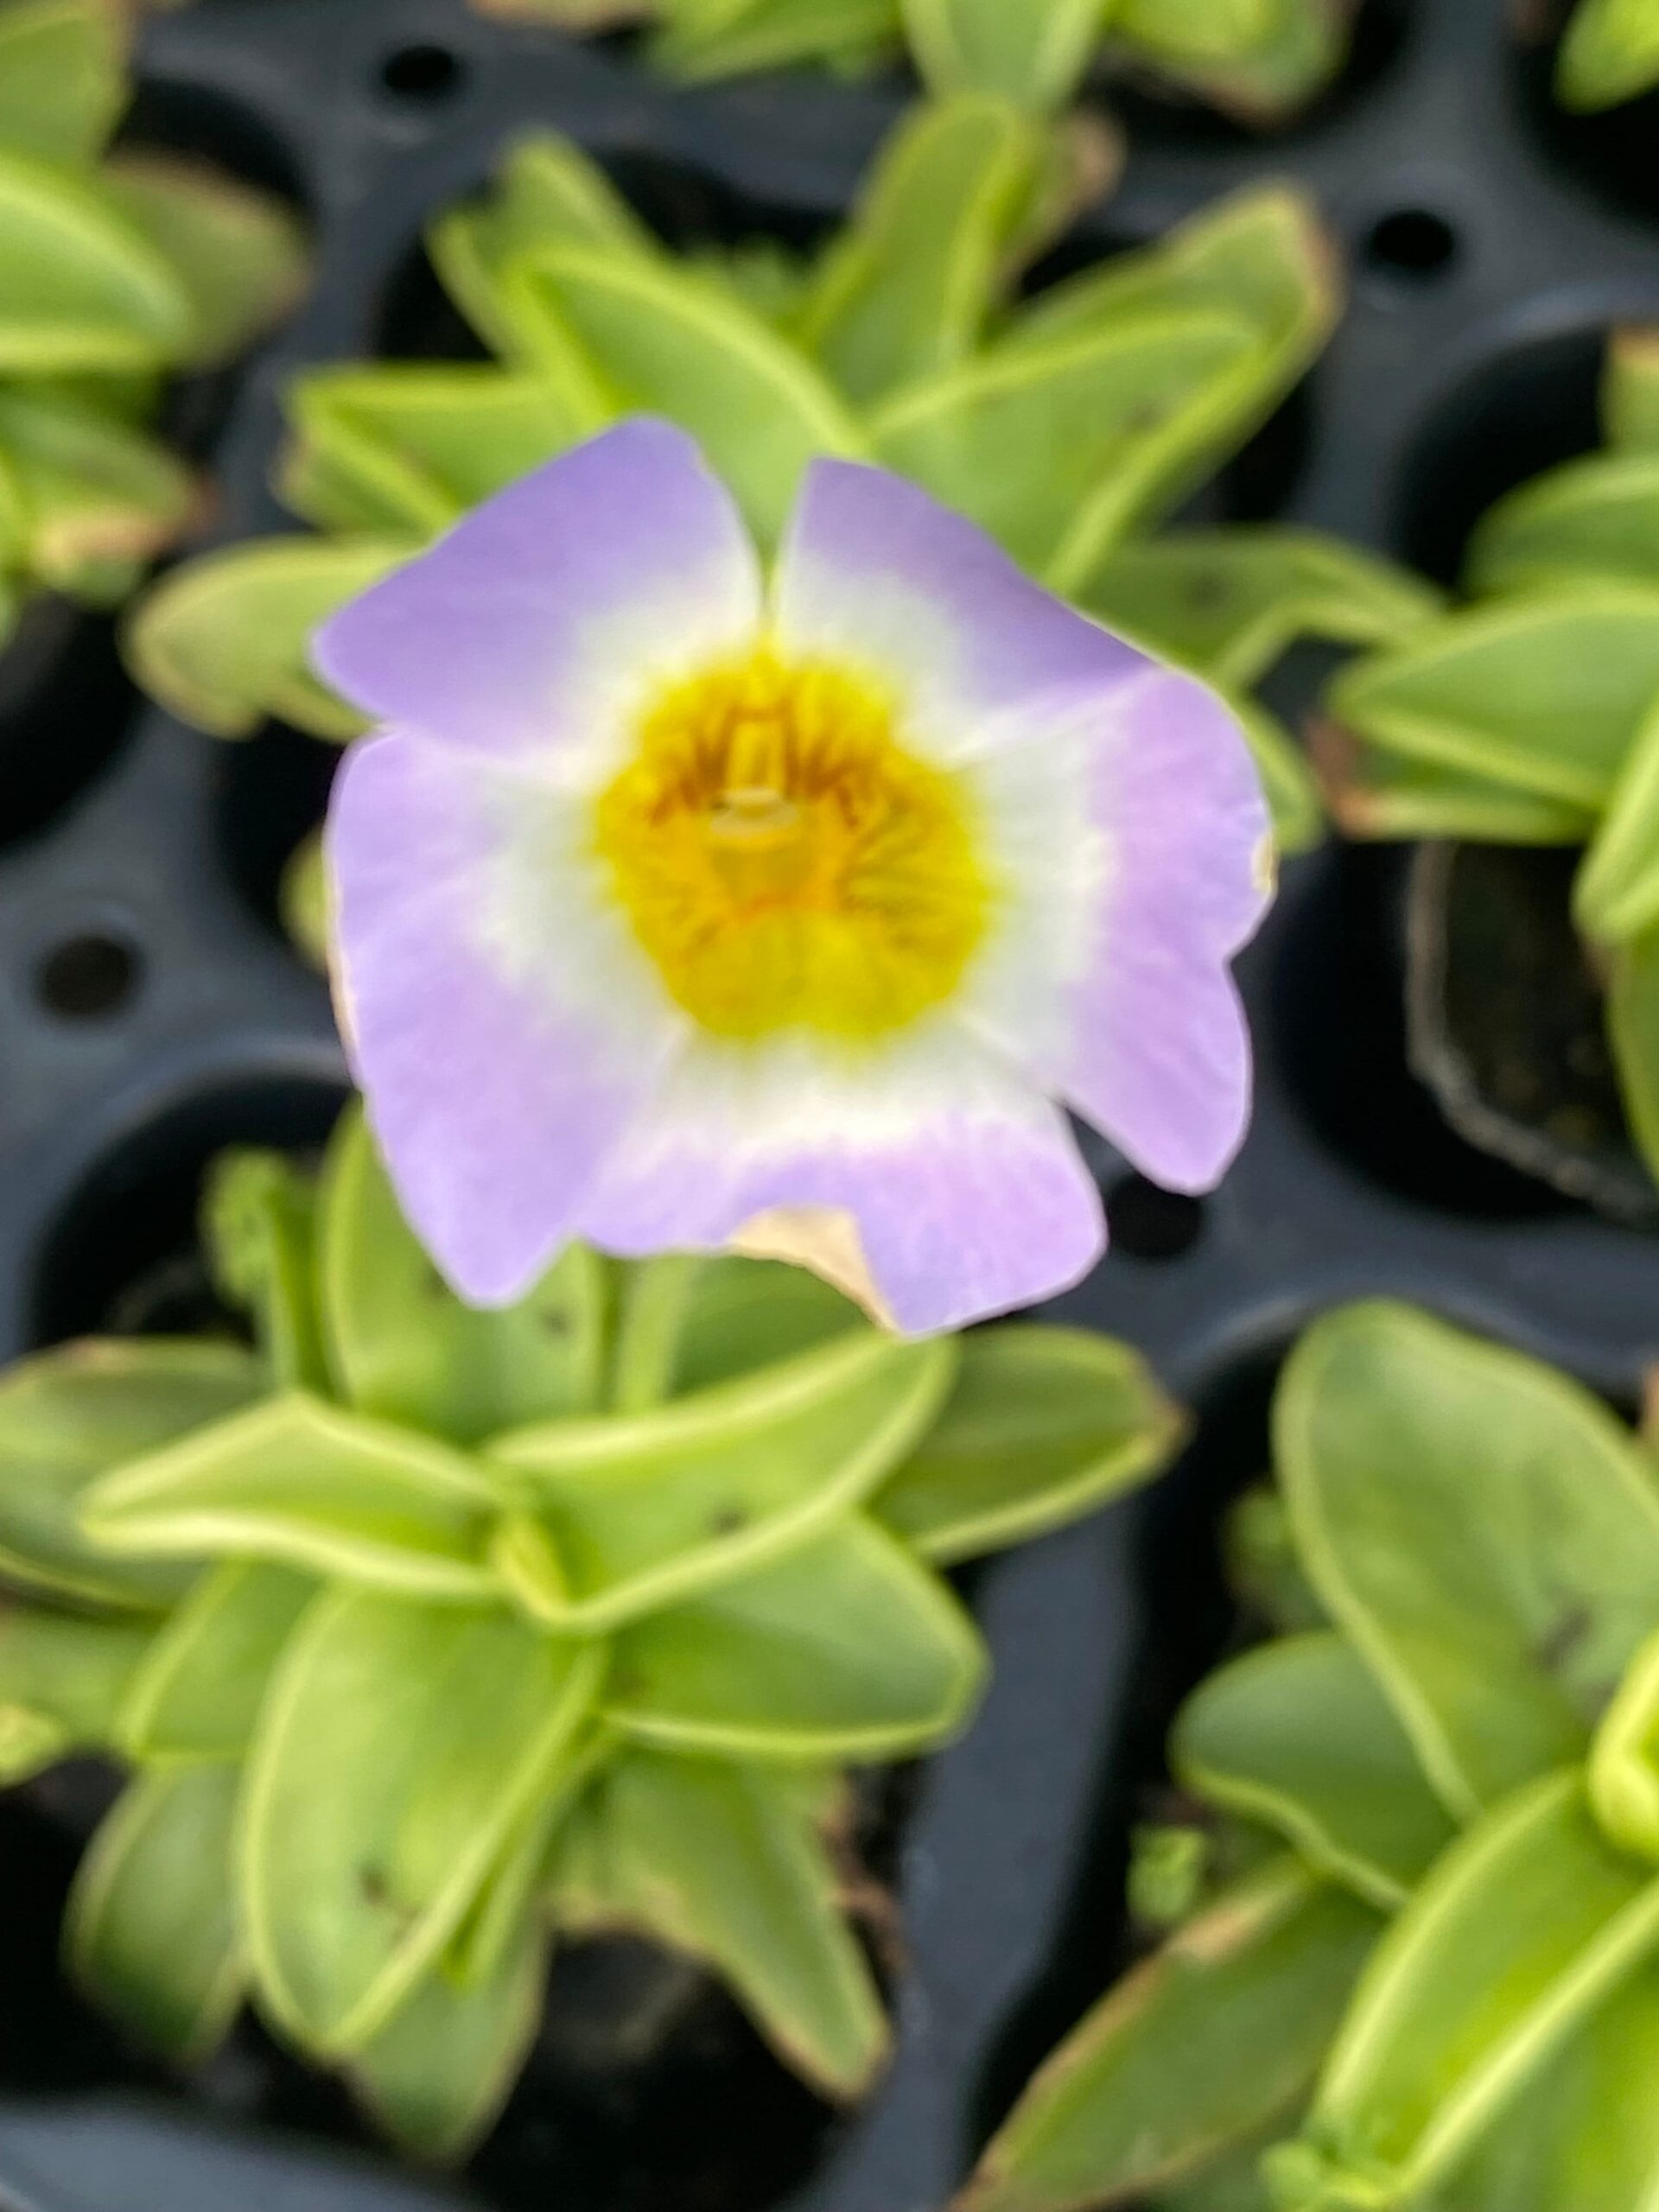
679,909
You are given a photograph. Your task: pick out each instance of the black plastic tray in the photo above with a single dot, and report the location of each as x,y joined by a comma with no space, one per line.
150,1011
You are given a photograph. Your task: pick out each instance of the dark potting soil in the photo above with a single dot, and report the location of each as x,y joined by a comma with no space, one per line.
151,1014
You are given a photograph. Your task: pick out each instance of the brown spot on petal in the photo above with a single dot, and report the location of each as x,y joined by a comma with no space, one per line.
823,1239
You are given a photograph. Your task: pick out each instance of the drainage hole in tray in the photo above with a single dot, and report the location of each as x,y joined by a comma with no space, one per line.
1412,243
424,75
88,977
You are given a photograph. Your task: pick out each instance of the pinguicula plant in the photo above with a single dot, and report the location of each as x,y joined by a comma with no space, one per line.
1417,1957
1609,53
1067,426
118,269
431,1637
1532,716
1261,60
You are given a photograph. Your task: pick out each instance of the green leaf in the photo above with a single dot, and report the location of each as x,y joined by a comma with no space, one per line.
436,2075
305,900
1624,1773
1481,1528
80,287
1615,892
1545,692
1263,1568
240,254
1213,2038
1593,520
95,496
1262,257
62,1678
704,39
663,341
908,285
725,1862
1629,390
63,77
1287,781
1037,55
846,1648
258,1222
311,1485
1231,602
549,193
1373,793
1633,1031
405,1348
1524,1925
402,1745
151,1932
1042,1426
1263,60
1055,447
412,446
224,641
1297,1736
688,1322
198,1692
1610,54
646,1509
69,1416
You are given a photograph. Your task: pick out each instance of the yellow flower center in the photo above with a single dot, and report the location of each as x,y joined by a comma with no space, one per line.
783,858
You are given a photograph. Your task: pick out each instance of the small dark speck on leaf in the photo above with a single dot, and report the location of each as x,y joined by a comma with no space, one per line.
1557,1647
727,1521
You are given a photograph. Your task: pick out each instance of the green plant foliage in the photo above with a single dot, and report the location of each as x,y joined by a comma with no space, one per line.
1437,1987
1261,60
1610,52
429,1633
1069,426
1530,716
116,269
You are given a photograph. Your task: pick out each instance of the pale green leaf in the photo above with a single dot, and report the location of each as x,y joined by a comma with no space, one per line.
401,1747
240,254
1297,1736
1523,1927
1633,1030
1481,1528
1041,1425
80,287
1374,793
69,1416
98,498
1544,691
690,1321
1629,390
224,641
1034,54
704,39
723,1861
62,1679
1055,447
646,1509
1610,54
1593,520
412,446
909,283
1209,2040
198,1692
151,1932
663,341
63,76
1615,892
305,900
1231,602
846,1648
258,1224
1289,783
405,1348
311,1485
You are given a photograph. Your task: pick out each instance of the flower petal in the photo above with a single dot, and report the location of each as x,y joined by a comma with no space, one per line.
502,1025
536,625
873,569
1160,1058
964,1183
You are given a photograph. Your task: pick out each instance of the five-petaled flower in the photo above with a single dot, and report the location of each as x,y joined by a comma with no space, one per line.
679,909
